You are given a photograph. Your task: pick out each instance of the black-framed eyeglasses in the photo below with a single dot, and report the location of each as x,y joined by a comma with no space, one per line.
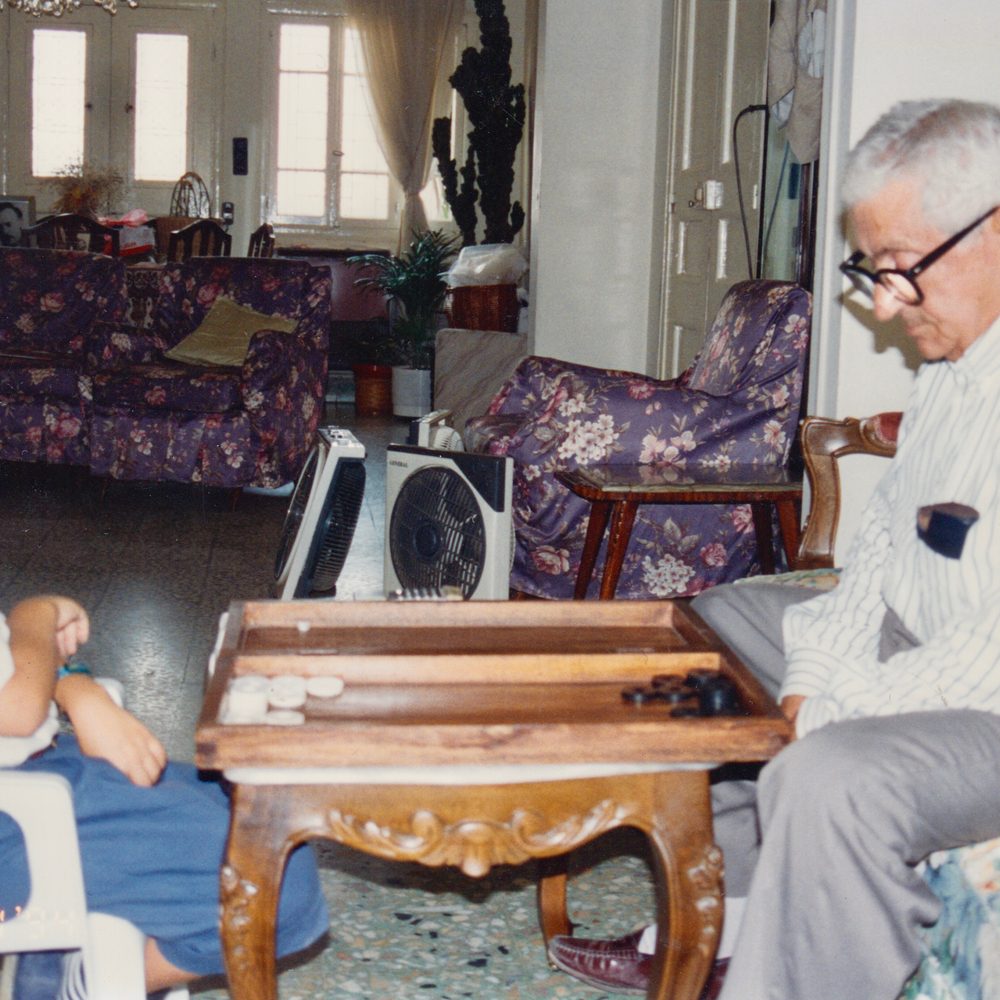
902,284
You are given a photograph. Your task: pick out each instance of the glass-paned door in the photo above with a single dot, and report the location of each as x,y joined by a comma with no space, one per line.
133,93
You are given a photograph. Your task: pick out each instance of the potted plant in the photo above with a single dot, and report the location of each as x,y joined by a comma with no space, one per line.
85,189
414,284
496,112
373,376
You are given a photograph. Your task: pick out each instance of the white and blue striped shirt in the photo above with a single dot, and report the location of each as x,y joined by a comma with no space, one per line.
949,450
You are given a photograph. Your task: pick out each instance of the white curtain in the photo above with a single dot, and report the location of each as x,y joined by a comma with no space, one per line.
403,45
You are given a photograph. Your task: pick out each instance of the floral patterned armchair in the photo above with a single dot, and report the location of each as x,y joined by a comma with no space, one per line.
737,404
158,419
50,301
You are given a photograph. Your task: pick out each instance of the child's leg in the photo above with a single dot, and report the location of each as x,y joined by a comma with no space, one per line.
152,856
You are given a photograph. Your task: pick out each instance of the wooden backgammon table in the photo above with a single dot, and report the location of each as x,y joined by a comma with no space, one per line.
474,734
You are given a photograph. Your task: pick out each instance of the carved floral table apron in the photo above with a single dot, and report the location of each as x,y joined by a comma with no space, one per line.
475,734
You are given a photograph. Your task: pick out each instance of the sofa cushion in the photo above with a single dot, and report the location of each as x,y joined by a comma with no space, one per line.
189,290
223,336
40,378
49,299
169,386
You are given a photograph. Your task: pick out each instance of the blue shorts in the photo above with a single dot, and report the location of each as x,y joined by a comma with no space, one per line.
152,856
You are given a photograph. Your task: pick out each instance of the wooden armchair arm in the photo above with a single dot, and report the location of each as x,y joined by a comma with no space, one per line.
824,441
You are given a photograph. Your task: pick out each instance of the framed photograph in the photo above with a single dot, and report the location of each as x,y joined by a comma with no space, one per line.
17,212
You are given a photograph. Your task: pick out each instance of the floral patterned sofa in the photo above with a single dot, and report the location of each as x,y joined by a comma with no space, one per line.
82,383
50,301
738,404
159,419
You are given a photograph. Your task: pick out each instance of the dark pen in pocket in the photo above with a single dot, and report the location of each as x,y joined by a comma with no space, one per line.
943,527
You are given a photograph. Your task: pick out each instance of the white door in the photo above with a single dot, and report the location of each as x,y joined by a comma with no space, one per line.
720,62
136,92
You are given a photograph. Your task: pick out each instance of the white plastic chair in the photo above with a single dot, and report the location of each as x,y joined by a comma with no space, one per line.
55,916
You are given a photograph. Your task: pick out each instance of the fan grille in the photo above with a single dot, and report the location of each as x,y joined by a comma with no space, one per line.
437,536
296,511
340,516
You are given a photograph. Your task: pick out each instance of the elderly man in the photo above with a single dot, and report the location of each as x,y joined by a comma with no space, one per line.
892,679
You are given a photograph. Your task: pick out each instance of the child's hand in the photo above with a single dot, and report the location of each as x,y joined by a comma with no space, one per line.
104,730
72,625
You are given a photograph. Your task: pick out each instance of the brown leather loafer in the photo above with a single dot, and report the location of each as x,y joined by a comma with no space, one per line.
617,966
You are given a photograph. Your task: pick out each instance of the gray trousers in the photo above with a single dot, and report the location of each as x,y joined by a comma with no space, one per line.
825,842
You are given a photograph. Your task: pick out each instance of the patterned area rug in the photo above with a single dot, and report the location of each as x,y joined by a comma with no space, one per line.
403,931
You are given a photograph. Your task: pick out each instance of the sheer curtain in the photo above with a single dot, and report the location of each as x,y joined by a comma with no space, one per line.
403,45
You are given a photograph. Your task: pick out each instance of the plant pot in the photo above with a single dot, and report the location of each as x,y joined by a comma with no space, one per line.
411,391
372,390
484,307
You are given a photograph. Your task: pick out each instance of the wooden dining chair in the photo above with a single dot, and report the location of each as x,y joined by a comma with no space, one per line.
262,241
203,238
190,197
69,231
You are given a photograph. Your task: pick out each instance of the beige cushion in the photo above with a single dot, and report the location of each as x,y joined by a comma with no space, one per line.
224,335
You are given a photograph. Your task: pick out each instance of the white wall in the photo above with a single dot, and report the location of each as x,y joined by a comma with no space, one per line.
597,197
882,52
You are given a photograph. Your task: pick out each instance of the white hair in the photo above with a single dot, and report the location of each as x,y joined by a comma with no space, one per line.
951,148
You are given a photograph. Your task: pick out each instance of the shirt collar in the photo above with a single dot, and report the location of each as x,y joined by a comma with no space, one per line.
981,360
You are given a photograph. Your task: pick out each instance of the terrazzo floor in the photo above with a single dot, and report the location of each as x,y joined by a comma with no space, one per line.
156,564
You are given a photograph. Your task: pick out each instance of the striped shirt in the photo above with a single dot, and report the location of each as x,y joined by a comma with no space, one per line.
949,450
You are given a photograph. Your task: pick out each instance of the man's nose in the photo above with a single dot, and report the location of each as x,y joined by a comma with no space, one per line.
885,304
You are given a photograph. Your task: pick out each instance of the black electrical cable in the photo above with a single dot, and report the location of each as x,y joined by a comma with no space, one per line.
750,109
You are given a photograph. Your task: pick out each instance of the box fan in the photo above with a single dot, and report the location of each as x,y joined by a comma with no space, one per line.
321,517
448,522
433,431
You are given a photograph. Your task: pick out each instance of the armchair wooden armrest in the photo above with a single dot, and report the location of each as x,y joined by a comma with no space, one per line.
824,441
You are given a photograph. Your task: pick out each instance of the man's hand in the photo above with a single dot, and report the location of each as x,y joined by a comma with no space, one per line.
104,730
790,706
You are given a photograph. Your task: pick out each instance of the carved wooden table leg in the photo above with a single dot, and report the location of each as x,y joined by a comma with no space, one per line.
688,884
475,827
552,914
265,825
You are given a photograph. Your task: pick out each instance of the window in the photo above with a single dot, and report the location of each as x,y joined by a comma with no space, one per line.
329,165
328,168
161,102
127,93
303,110
58,94
57,100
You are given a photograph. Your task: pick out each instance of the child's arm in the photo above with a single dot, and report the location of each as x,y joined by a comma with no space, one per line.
44,631
104,730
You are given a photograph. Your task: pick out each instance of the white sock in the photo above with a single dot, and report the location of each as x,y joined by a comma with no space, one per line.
730,926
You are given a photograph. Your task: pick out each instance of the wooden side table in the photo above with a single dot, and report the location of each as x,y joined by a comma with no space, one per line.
616,491
477,733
